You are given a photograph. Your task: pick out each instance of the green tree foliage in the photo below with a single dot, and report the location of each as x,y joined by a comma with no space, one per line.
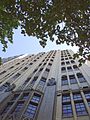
68,20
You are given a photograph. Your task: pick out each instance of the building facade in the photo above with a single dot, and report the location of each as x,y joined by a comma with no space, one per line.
46,86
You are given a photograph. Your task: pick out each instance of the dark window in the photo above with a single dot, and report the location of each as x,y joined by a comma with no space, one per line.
35,60
72,61
44,64
34,80
47,70
24,68
50,64
2,72
80,109
16,76
77,96
66,98
40,69
72,79
11,67
51,60
62,63
70,57
69,68
37,57
30,63
26,81
7,107
5,86
64,80
15,96
40,64
35,70
75,67
18,107
62,59
63,69
81,77
66,58
67,62
67,110
17,63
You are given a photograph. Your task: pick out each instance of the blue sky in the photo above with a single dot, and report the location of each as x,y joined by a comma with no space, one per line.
29,45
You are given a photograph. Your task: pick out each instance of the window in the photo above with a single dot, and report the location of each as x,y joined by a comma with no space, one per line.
25,96
11,67
62,63
16,76
35,60
24,68
70,57
66,98
26,81
35,70
30,63
69,68
42,81
15,96
40,69
18,63
40,64
89,103
72,79
80,77
80,109
87,95
34,80
62,59
37,57
36,98
51,60
18,106
63,69
75,67
47,70
67,110
67,62
7,107
66,58
50,64
72,61
31,109
5,86
64,80
77,96
2,72
44,64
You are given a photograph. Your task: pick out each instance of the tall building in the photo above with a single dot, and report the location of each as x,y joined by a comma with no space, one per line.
46,86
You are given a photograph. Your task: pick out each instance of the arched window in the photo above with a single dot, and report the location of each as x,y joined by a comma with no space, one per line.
63,69
64,80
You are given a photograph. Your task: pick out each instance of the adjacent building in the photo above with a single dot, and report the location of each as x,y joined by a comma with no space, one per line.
46,86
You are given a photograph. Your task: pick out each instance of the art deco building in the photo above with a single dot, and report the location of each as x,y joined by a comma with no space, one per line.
46,86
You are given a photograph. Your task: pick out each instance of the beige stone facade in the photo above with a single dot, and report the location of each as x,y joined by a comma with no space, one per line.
46,86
